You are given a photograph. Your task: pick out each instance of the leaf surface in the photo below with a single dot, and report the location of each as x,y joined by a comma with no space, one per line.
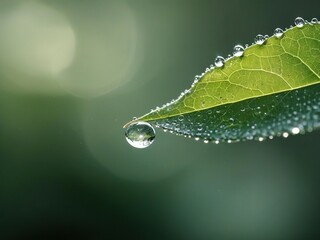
273,89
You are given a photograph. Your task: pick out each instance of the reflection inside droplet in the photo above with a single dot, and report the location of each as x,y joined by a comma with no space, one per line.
140,134
299,22
238,51
219,61
278,32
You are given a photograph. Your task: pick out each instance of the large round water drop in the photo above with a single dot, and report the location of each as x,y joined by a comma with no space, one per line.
140,134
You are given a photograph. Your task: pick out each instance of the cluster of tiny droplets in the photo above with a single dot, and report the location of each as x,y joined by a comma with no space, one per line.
238,51
219,62
303,117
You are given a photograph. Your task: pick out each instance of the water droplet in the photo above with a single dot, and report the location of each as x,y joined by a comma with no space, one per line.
249,137
299,22
180,118
314,20
219,61
295,130
206,141
259,39
238,51
285,134
199,128
261,139
278,32
140,134
197,138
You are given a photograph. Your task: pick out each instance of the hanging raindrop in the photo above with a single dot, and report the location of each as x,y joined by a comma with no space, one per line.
140,134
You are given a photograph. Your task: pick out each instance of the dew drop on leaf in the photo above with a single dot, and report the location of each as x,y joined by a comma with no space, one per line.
285,134
259,39
314,20
278,32
299,22
140,134
238,51
180,118
295,130
219,61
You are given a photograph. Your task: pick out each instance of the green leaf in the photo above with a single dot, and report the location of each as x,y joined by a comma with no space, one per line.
273,89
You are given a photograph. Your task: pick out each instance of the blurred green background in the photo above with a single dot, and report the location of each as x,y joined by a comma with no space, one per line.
73,72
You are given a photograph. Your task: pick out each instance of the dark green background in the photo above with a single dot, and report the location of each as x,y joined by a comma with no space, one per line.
66,171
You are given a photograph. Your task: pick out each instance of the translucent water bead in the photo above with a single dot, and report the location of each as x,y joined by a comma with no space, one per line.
299,22
238,51
259,39
140,134
219,61
278,32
